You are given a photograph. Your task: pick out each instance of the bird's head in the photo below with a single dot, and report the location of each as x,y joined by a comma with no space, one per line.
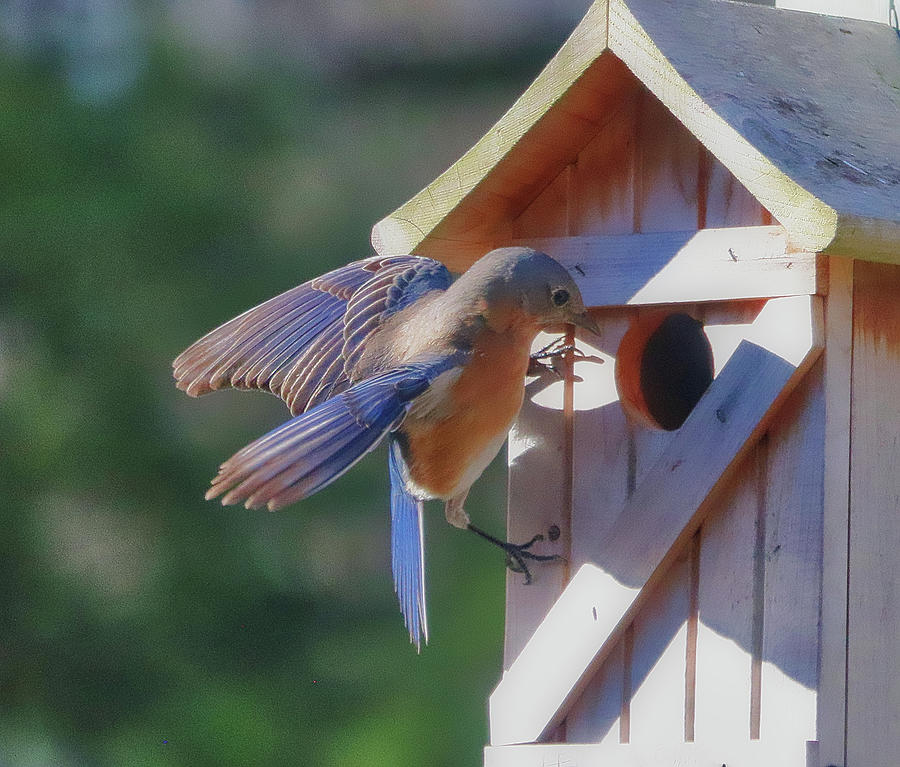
527,284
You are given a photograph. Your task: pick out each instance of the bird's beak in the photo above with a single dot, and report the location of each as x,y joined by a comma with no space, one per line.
584,320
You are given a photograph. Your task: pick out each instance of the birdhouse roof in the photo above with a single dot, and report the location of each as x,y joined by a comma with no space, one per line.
803,109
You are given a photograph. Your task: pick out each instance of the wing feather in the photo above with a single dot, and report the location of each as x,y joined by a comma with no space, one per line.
313,449
297,345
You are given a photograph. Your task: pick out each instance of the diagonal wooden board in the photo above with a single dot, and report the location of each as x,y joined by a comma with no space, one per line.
656,521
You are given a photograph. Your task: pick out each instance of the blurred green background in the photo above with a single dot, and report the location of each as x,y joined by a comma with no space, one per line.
164,166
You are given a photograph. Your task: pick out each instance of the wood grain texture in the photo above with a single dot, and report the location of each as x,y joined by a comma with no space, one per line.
664,511
792,569
678,267
868,10
832,698
726,615
668,170
728,201
740,100
658,663
743,79
616,755
538,482
873,685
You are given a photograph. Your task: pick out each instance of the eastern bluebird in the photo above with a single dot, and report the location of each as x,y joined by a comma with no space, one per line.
388,347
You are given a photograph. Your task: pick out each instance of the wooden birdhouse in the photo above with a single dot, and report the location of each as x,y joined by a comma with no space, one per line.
723,180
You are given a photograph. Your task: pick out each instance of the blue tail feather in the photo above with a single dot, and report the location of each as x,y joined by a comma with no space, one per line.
407,550
315,448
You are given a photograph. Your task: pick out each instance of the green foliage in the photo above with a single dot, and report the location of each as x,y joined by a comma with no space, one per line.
143,626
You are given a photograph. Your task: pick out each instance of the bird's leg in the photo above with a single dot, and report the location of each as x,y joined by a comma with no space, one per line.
517,553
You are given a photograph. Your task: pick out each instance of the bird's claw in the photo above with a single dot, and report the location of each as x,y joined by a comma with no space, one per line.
517,553
555,352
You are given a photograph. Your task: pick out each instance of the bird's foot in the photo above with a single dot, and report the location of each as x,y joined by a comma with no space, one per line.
556,352
517,553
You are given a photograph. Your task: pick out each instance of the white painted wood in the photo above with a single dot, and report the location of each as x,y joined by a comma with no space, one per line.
534,687
792,566
658,664
721,65
631,755
722,719
594,716
680,267
537,481
873,681
603,445
868,10
832,698
654,523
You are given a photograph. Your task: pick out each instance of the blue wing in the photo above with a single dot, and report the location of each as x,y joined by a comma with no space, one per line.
407,550
313,449
301,345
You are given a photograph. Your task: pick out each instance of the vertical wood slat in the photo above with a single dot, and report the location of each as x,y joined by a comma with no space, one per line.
761,455
627,685
725,631
690,661
873,686
604,181
666,172
602,445
728,201
658,663
538,481
831,707
792,558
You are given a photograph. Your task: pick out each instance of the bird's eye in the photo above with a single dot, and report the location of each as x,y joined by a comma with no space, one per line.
560,297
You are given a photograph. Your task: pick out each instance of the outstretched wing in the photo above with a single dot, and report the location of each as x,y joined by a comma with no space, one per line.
297,345
407,550
313,449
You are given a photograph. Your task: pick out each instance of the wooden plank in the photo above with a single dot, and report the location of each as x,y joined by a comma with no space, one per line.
869,10
728,201
563,645
806,152
658,663
680,267
738,98
616,755
873,686
546,216
726,615
594,716
601,486
537,483
662,513
792,566
666,192
832,698
604,176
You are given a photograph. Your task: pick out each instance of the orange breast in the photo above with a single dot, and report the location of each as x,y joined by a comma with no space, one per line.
447,455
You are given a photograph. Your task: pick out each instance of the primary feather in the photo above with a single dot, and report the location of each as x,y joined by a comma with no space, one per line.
302,344
314,448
